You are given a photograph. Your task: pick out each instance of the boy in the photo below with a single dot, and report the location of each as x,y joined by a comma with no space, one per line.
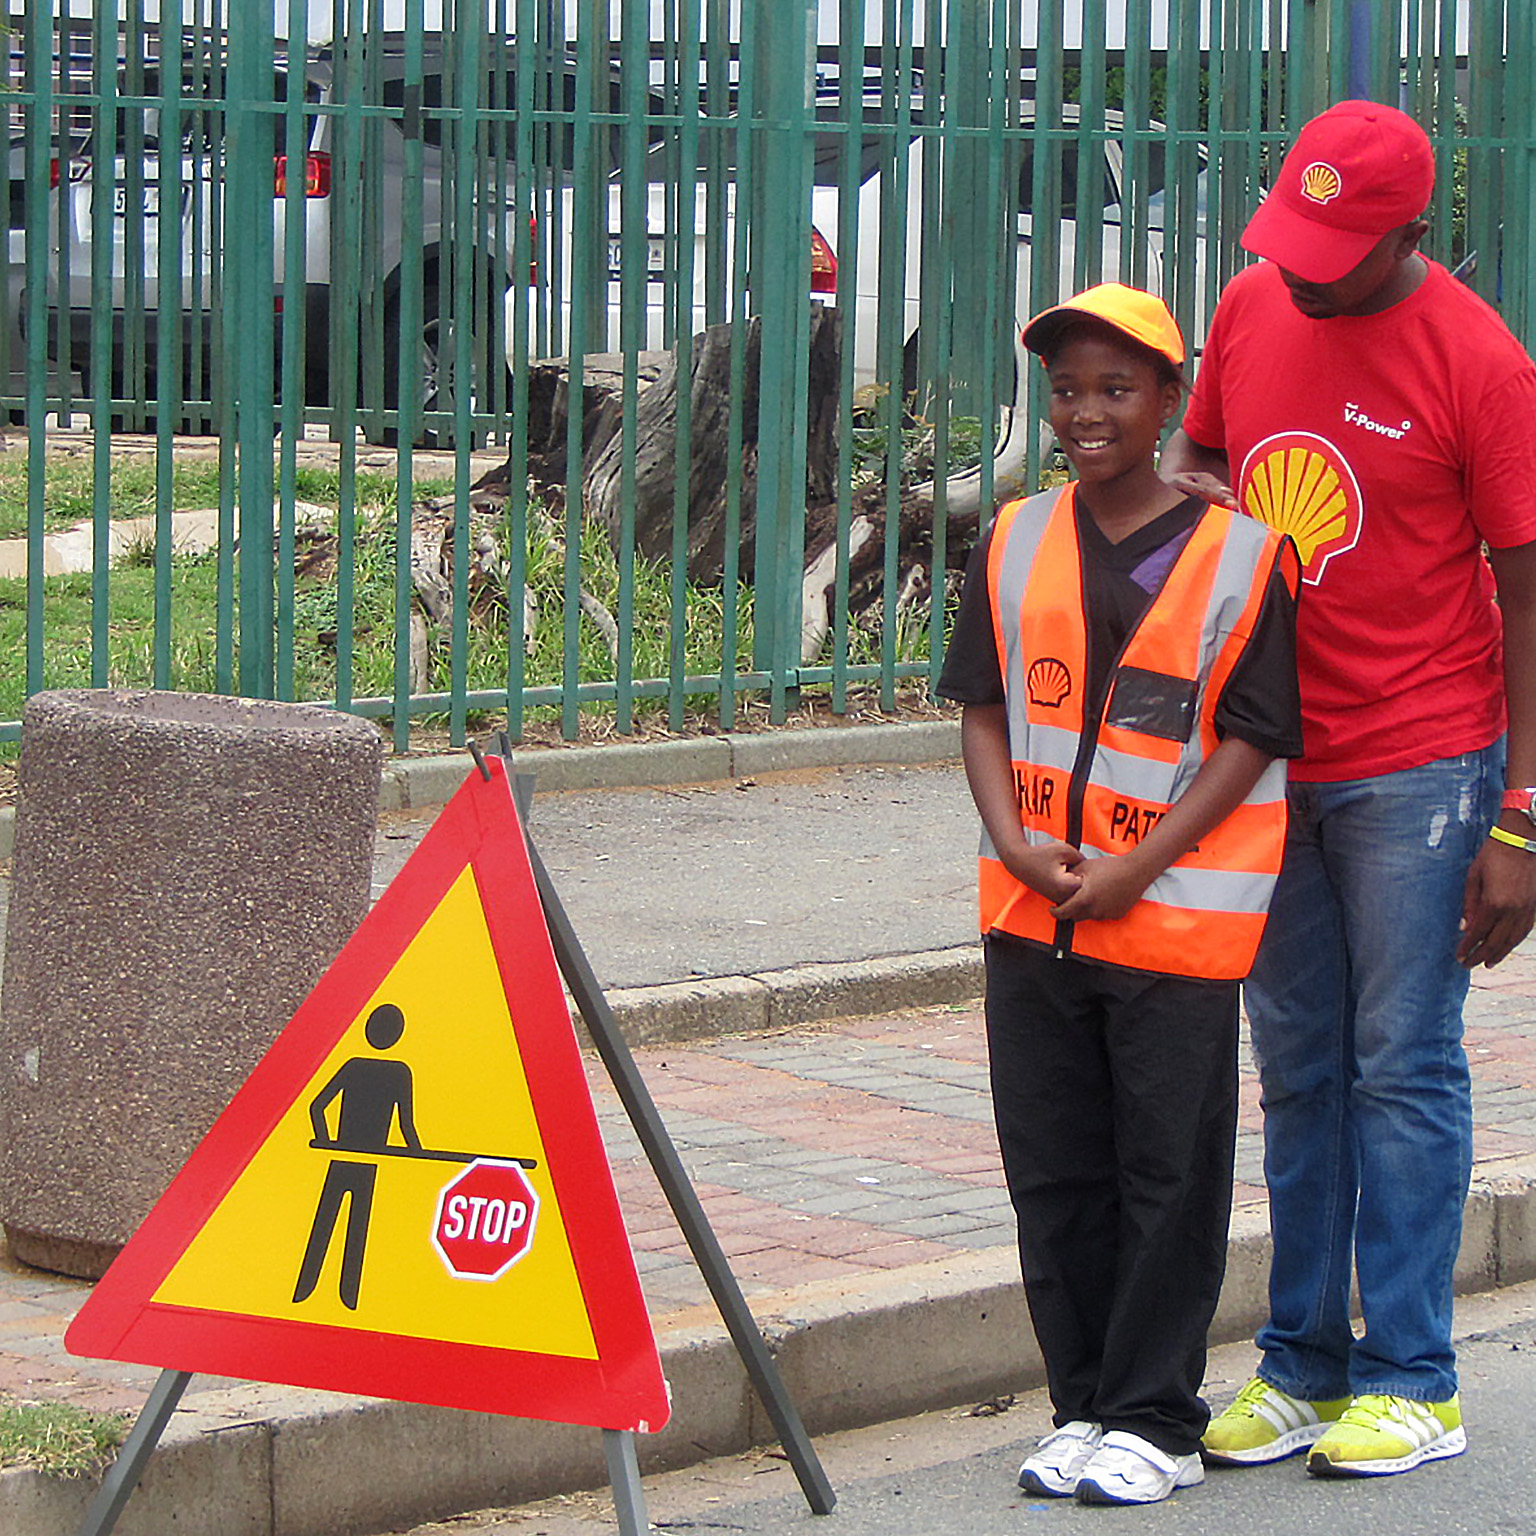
1125,655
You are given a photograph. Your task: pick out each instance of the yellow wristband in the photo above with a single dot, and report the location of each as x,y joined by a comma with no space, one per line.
1498,834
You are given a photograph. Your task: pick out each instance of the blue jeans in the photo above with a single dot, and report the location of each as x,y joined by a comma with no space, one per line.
1355,1003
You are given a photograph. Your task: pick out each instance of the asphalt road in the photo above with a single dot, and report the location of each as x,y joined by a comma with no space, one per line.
736,877
952,1474
732,878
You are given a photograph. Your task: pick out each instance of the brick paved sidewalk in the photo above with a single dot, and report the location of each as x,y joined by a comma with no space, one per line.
833,1151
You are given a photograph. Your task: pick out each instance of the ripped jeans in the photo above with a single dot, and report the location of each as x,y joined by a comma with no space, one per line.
1355,1005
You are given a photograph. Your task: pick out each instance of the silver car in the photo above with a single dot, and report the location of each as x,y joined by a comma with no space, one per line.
711,226
355,260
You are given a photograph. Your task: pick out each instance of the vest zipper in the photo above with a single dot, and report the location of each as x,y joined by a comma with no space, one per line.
1088,742
1077,785
1077,792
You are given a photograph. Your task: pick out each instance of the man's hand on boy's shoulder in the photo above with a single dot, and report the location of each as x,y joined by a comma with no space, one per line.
1048,869
1108,888
1196,470
1206,487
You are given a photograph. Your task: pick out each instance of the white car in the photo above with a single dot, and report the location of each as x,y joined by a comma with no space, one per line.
713,228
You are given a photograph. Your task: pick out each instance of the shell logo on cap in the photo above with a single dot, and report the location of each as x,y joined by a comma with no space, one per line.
1048,682
1300,484
1320,183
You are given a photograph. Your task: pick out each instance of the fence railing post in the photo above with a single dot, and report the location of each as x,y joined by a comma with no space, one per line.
1520,186
249,329
781,266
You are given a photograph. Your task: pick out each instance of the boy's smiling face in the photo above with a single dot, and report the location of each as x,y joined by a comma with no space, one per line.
1109,404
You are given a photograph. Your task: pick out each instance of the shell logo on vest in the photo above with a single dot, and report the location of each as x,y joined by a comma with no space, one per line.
1302,485
1048,682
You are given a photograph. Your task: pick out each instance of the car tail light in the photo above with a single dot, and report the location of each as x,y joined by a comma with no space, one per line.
823,264
317,175
55,174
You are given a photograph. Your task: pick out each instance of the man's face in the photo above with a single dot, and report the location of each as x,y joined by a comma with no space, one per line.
1387,273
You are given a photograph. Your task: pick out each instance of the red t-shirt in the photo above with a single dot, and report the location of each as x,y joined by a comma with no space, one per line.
1390,446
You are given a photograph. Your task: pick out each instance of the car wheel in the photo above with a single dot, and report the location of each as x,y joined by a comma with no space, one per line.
438,382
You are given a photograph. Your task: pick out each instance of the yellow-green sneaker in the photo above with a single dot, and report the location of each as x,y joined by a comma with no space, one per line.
1266,1424
1380,1434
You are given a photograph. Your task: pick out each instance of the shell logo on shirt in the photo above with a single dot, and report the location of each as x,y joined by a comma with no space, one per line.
1302,485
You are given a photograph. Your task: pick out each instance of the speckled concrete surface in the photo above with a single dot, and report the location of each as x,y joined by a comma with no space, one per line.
185,869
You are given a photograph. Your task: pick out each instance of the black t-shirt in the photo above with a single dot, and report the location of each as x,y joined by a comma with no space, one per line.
1261,703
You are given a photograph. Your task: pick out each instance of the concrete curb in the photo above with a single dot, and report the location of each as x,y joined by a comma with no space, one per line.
412,783
268,1461
801,994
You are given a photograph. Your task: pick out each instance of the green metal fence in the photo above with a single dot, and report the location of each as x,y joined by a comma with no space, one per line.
347,256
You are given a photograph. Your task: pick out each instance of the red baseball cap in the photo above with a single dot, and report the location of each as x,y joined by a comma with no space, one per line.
1355,173
1141,316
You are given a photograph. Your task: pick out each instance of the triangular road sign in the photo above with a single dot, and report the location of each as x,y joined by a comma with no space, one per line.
409,1197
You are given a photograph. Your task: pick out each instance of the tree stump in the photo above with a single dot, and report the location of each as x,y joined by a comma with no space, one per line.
709,447
709,466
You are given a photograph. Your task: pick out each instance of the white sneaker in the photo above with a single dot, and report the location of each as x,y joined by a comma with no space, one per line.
1126,1469
1055,1465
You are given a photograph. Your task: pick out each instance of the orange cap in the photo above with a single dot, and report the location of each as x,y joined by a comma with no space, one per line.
1141,316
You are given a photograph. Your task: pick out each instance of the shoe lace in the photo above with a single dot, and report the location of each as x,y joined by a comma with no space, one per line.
1248,1400
1367,1410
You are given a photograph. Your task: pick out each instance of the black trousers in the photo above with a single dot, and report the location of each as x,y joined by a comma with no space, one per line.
1115,1094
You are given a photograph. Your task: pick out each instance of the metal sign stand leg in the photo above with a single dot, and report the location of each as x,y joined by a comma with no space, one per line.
124,1474
673,1177
624,1476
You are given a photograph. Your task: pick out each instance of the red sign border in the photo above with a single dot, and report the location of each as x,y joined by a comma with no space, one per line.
622,1389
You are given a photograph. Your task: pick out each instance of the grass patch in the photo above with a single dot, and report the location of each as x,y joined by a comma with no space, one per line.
69,490
58,1439
178,645
132,490
321,630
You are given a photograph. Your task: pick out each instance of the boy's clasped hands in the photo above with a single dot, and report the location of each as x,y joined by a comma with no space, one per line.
1081,888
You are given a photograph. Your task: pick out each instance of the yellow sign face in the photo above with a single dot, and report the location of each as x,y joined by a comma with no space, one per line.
360,1231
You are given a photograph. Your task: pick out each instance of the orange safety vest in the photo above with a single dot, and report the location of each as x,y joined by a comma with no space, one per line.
1101,783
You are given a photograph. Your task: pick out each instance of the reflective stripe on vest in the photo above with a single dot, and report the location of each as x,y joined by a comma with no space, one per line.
1202,916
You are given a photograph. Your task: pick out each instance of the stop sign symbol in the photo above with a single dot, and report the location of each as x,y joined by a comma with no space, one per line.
485,1219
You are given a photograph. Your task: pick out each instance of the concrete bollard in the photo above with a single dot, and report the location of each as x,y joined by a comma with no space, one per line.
186,866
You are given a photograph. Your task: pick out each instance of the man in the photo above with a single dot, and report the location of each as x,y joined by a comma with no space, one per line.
373,1094
1354,395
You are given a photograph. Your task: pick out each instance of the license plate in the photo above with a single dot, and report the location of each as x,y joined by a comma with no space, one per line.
149,201
656,256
